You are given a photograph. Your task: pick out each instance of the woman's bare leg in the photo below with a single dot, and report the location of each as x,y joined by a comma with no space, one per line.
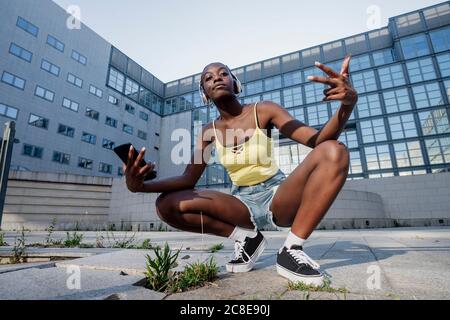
303,199
221,212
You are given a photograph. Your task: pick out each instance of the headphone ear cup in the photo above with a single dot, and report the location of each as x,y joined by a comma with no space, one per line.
237,85
202,95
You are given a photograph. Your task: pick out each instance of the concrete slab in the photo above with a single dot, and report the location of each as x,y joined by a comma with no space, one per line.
51,284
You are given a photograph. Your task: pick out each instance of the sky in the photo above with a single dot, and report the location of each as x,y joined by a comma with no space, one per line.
174,38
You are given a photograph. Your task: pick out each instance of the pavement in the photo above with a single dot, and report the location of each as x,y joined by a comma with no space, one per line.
368,264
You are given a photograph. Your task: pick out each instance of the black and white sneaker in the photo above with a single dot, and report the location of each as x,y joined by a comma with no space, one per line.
295,265
246,253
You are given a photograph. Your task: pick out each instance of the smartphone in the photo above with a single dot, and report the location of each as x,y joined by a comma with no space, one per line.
122,152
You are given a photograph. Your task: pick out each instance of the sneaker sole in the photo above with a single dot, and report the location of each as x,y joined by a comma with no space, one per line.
294,277
237,268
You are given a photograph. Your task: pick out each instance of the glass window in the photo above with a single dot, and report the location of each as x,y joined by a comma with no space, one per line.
335,105
74,80
397,100
349,138
373,130
20,52
314,92
113,100
38,121
254,87
32,151
85,163
108,144
298,113
143,116
91,113
403,172
274,96
444,64
369,106
415,46
185,102
69,104
378,157
318,114
272,83
252,99
293,97
89,138
381,175
382,57
111,122
355,163
438,150
142,135
408,154
105,168
441,39
428,95
391,76
129,108
44,93
434,122
312,71
50,67
78,57
127,128
66,130
61,157
402,126
95,91
27,26
421,70
13,80
292,78
359,63
55,43
364,81
8,111
116,80
131,89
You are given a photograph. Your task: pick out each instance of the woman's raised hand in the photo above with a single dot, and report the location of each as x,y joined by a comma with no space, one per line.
134,174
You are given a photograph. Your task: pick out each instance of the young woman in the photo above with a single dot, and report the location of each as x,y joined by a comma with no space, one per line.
261,195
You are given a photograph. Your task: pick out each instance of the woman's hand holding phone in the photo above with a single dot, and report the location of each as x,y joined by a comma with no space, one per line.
135,174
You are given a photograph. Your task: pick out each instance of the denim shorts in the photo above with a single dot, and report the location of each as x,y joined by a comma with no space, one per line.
258,199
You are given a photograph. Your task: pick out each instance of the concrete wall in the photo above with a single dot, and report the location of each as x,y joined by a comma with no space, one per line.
412,200
34,199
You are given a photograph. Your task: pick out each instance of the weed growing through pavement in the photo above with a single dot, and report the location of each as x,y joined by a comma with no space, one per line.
325,287
160,277
73,240
216,248
19,248
125,243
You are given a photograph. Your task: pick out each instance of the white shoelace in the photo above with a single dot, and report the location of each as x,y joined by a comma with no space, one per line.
239,250
301,257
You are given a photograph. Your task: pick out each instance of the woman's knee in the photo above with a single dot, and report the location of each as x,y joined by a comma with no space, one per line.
335,152
165,206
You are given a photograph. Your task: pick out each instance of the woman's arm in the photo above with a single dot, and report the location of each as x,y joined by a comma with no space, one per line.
187,180
341,90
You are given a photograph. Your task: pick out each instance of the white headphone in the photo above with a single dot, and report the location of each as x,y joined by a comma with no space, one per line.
207,101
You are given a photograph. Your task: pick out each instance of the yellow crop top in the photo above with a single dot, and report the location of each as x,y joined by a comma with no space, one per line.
251,162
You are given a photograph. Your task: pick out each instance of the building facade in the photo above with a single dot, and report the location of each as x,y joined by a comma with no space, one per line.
74,97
